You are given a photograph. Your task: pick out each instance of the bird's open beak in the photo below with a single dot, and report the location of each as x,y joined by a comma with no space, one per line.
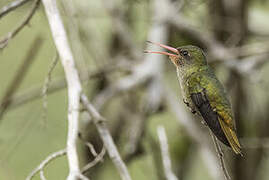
164,53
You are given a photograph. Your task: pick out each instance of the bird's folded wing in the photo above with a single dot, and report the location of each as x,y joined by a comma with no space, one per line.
209,115
217,120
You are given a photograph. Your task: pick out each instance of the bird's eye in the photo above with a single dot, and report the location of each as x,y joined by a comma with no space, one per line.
184,53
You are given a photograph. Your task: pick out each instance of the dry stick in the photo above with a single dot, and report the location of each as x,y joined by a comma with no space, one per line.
221,157
91,148
106,137
89,145
165,154
46,86
20,75
11,6
96,160
12,34
74,90
45,162
73,84
97,157
41,174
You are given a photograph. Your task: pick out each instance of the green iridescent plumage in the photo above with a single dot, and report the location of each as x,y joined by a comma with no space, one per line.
203,93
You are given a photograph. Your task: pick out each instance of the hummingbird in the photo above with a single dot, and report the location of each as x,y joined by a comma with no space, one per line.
202,92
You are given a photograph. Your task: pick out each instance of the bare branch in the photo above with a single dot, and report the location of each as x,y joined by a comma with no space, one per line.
96,160
91,148
220,155
12,34
165,154
105,135
46,86
45,162
73,84
11,6
98,157
41,174
20,74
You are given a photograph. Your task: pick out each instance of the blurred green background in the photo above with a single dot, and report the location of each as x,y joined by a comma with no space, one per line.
27,137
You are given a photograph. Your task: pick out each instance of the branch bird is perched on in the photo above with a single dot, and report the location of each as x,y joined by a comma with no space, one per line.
203,93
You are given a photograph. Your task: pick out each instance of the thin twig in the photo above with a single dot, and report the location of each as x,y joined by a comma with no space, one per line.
12,34
165,154
96,160
221,156
20,75
97,157
73,83
11,6
91,148
41,174
46,86
89,145
105,135
45,162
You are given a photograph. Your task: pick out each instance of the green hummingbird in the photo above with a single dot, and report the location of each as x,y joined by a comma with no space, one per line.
203,93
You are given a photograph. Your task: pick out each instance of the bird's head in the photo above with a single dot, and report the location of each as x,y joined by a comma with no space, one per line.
183,56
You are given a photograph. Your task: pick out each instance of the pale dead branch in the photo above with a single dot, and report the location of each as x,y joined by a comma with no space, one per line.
100,124
73,84
165,154
98,158
45,162
46,86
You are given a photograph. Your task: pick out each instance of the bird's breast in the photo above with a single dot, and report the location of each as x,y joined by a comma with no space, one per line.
183,85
